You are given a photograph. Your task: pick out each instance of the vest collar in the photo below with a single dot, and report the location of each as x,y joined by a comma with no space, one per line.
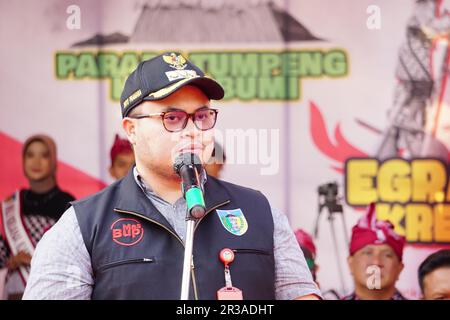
215,194
132,199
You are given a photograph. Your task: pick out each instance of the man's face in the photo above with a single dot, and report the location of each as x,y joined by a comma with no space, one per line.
122,163
37,162
436,284
363,261
155,147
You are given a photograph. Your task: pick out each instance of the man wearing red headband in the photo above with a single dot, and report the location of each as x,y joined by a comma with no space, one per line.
375,259
122,158
306,243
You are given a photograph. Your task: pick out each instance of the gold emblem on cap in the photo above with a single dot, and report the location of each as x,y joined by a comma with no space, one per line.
176,62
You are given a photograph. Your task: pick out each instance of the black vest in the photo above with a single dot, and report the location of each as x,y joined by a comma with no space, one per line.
136,254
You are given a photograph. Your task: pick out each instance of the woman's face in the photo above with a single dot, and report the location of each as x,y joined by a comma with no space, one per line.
37,162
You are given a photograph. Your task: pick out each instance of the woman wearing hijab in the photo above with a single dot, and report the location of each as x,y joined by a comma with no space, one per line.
29,213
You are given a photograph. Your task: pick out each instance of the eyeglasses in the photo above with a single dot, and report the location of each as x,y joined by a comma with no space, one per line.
174,121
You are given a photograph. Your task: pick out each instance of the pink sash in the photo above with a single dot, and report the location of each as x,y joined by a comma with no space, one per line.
15,233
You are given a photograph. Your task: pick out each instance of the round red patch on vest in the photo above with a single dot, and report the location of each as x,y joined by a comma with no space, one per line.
127,232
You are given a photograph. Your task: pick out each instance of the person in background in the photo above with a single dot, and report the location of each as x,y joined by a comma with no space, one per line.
375,259
308,247
215,164
29,213
122,158
306,243
434,276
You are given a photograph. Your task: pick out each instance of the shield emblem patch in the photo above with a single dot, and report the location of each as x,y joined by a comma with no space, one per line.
233,221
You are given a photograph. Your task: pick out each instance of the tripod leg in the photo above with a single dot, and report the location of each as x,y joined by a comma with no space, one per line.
336,250
316,227
347,239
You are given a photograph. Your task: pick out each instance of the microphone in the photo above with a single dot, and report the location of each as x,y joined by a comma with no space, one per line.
188,166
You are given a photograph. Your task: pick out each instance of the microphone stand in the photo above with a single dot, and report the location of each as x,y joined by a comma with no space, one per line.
192,215
188,166
187,262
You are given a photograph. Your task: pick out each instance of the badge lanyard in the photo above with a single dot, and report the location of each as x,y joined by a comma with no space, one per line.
228,292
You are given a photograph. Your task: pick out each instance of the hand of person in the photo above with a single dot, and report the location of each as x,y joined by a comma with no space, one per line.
21,259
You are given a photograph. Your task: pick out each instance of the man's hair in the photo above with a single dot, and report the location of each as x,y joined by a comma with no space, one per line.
135,111
439,259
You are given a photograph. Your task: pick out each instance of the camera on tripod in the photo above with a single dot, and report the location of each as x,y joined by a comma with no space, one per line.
328,197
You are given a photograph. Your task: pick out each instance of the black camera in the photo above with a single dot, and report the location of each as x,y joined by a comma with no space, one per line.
328,189
330,193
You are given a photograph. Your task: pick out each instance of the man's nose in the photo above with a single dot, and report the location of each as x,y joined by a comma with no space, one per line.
377,260
190,130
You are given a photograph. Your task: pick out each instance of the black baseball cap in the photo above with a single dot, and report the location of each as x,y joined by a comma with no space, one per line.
157,78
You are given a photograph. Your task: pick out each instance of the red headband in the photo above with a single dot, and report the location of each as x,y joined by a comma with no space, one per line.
119,146
305,241
369,230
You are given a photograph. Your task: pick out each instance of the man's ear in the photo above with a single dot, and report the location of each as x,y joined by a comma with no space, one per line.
129,126
112,172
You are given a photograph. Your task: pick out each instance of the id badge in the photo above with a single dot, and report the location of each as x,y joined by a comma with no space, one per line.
229,293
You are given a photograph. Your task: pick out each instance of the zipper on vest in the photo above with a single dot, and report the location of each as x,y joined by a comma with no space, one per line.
194,283
256,251
122,262
153,221
174,234
208,211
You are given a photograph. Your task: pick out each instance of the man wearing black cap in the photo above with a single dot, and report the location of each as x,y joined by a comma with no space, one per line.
127,241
